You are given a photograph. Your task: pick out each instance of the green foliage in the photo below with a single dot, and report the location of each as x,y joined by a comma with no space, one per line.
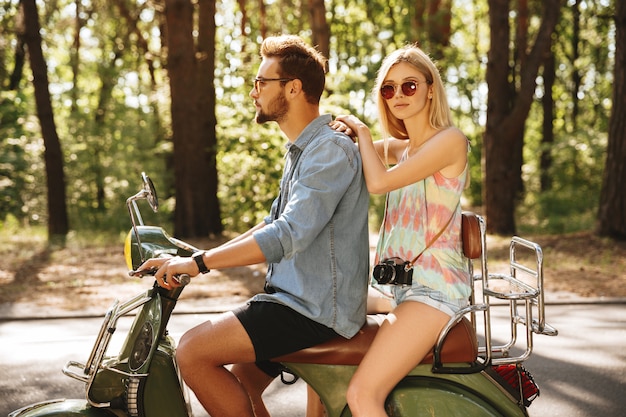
250,164
571,202
20,161
582,94
113,117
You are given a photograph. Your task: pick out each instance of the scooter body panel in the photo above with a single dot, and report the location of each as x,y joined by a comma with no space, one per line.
163,395
429,395
420,393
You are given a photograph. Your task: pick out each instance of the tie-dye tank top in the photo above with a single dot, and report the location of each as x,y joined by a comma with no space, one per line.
414,215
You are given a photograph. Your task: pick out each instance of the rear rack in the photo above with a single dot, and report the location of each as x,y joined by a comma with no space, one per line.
522,289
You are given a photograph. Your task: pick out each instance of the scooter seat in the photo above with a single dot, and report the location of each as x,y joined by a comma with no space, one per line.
460,346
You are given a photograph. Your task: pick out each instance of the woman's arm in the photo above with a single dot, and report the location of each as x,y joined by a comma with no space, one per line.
445,152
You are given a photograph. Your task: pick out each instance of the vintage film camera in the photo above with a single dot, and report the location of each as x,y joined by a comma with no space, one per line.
393,271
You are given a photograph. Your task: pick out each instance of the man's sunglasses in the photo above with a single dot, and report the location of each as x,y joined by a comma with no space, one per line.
258,82
409,88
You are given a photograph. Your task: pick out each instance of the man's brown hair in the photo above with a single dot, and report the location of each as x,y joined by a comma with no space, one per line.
298,60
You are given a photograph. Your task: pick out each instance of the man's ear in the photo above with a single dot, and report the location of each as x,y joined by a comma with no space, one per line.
296,87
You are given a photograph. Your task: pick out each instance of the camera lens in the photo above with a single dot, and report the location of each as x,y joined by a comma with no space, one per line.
384,273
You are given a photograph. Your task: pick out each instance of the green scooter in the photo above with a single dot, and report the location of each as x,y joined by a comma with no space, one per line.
464,375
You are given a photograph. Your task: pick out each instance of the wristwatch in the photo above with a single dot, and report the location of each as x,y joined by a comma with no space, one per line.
198,257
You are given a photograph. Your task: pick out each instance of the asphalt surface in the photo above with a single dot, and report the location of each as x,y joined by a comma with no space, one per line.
581,372
31,311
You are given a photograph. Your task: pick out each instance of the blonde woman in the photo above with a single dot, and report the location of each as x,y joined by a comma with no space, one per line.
422,167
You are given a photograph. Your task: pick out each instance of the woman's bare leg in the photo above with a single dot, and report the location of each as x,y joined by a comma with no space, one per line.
406,336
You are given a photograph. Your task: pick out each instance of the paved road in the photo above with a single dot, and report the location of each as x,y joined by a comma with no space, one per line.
581,372
33,352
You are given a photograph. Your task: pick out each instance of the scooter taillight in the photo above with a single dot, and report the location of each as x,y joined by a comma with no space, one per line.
520,380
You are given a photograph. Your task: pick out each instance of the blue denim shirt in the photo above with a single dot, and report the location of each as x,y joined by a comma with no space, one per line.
317,247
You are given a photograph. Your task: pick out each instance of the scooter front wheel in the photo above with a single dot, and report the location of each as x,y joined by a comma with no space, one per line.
65,408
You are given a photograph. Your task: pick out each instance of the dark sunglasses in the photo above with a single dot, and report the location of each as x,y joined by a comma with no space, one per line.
409,88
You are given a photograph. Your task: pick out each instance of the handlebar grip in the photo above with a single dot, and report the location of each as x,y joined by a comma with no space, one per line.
182,279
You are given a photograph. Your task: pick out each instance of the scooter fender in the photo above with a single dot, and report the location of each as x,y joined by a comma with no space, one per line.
420,393
65,408
469,395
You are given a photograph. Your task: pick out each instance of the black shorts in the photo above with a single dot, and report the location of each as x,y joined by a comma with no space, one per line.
277,330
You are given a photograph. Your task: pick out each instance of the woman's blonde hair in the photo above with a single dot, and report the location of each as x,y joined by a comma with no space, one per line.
439,116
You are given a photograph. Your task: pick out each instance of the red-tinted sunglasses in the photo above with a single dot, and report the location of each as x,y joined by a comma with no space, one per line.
409,88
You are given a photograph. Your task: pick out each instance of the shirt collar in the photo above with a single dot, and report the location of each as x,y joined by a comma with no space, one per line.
309,132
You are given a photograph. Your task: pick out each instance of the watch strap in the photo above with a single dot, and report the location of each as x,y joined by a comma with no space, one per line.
198,257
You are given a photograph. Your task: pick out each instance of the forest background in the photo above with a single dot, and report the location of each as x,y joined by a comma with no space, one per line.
94,92
120,87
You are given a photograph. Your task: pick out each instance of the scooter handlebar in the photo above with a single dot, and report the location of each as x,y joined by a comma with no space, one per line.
182,279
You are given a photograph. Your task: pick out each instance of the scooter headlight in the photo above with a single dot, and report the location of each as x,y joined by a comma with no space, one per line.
128,257
142,347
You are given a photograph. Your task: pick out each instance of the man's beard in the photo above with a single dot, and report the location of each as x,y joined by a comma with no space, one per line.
277,111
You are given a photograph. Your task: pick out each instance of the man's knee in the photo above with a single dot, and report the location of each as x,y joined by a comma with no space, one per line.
184,352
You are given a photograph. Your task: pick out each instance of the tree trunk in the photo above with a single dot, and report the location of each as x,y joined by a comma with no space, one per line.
55,179
75,57
418,26
262,19
20,52
439,29
244,22
612,212
108,76
508,103
547,139
576,72
207,205
431,25
193,118
319,26
142,43
181,70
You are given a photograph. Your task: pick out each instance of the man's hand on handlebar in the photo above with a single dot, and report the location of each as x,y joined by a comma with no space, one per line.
170,273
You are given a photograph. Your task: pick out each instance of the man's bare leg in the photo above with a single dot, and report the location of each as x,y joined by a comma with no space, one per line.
201,355
314,406
254,381
377,303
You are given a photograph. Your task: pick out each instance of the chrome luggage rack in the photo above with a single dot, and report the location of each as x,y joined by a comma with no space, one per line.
522,288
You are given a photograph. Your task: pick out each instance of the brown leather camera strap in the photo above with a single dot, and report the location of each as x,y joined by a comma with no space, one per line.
434,239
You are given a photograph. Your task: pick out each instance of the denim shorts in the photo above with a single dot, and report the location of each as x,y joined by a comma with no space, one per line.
428,296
